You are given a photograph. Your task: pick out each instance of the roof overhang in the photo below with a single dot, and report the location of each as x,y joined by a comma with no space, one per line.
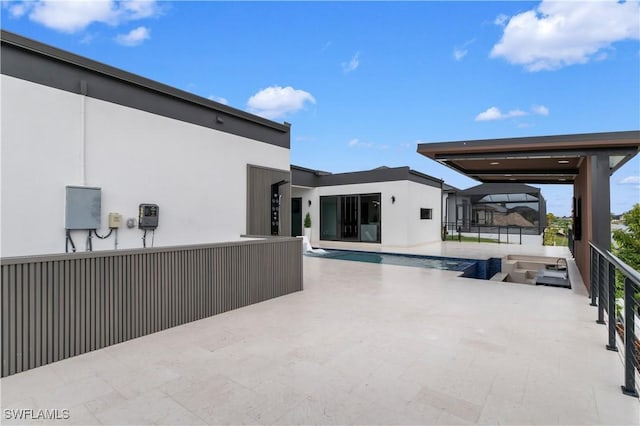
541,159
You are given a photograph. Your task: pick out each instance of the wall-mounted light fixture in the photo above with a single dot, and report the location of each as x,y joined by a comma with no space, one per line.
393,199
309,203
219,119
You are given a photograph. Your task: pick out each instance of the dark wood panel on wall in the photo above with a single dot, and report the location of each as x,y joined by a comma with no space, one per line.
260,181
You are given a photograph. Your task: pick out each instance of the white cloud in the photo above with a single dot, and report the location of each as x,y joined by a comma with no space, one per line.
16,10
634,180
461,52
277,102
357,143
134,37
140,9
218,99
352,65
71,16
501,19
557,34
494,113
407,145
458,54
540,110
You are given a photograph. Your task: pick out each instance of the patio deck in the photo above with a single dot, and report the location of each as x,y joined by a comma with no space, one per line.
362,344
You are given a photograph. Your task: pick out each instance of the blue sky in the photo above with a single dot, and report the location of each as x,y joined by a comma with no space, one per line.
363,83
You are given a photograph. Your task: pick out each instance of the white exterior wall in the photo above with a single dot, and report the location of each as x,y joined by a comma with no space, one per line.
309,194
196,175
401,224
427,230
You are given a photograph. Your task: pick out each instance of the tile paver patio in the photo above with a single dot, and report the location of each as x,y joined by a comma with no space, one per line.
362,344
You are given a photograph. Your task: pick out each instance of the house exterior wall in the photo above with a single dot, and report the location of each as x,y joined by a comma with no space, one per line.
582,190
259,206
401,224
197,175
591,184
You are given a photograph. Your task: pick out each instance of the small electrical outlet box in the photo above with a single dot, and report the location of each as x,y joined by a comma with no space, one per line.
148,216
115,220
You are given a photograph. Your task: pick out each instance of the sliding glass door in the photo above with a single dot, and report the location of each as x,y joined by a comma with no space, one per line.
351,218
370,218
329,218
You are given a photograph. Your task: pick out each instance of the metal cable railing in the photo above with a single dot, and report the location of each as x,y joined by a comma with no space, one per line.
615,289
510,234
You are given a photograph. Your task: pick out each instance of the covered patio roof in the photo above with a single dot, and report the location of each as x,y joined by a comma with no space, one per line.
540,159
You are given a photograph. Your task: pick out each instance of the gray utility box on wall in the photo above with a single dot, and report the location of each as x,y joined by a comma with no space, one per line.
83,207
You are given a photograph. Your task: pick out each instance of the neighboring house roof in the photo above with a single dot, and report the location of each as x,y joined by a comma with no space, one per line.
301,176
500,188
40,63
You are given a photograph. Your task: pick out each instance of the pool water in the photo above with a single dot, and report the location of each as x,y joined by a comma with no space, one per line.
470,268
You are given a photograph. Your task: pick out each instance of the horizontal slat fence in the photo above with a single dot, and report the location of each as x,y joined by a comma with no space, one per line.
55,307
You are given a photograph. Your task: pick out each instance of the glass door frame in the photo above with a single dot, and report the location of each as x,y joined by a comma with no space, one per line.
340,203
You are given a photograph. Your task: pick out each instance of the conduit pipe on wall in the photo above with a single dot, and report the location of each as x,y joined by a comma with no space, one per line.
83,133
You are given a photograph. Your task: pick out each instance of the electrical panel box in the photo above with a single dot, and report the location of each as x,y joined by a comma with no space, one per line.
148,216
115,220
83,207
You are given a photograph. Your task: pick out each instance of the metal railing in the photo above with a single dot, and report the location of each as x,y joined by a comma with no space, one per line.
510,234
59,306
571,241
620,300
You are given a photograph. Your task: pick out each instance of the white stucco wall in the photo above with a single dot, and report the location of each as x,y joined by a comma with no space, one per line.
401,224
196,175
424,230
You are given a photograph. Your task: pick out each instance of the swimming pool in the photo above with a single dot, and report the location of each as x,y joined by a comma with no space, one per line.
470,268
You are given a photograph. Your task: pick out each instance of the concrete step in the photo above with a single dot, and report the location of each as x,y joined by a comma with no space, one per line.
500,276
523,276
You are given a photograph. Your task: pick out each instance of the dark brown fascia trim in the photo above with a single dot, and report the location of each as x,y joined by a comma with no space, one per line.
301,176
569,181
90,64
419,177
572,142
536,154
313,178
53,54
523,172
305,169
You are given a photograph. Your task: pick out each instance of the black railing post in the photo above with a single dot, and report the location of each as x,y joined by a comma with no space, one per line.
520,235
611,308
629,387
499,233
592,276
478,233
601,288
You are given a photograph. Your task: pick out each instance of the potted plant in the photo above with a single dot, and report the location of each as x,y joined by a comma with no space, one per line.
307,226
